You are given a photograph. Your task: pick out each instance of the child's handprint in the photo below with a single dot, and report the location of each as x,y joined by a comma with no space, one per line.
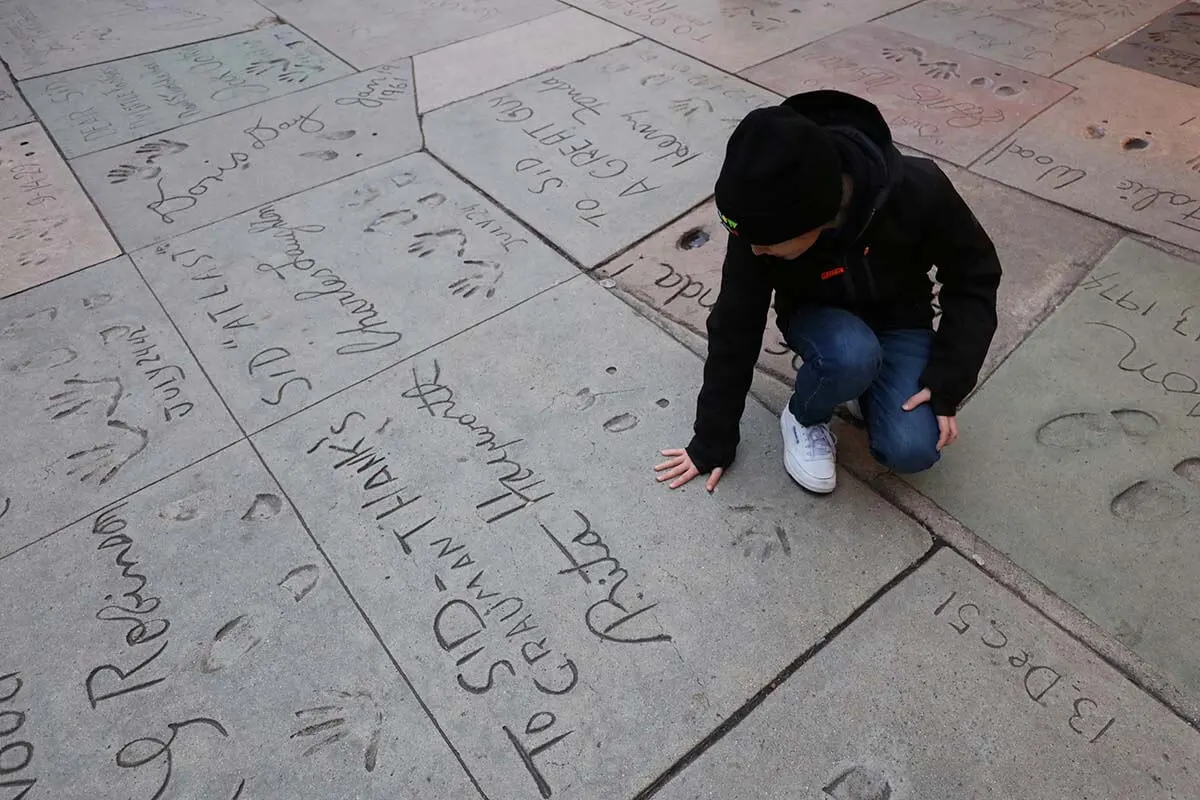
105,460
426,244
899,54
485,278
123,172
942,70
160,148
105,393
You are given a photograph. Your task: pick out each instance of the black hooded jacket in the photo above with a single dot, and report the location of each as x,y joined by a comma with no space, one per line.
904,217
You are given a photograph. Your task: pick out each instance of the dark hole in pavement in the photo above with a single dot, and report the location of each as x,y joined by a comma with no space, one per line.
1135,143
696,237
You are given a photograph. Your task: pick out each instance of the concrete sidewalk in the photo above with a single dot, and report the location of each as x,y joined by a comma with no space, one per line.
339,340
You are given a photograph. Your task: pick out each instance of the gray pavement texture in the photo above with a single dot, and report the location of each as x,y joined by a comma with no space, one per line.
338,341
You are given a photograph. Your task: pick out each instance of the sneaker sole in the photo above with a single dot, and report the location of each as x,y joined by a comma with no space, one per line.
807,481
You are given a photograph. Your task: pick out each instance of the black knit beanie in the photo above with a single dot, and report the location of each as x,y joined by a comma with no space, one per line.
782,177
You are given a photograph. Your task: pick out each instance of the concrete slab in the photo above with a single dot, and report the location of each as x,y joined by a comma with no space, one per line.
38,37
1045,249
486,62
1168,47
200,643
162,186
13,110
1080,458
92,108
102,396
938,100
485,482
371,32
1133,161
50,225
732,36
295,300
1029,34
950,687
598,154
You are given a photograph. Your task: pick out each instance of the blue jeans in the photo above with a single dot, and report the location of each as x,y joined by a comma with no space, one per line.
845,360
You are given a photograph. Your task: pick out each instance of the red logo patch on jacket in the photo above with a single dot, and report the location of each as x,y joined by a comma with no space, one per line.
833,273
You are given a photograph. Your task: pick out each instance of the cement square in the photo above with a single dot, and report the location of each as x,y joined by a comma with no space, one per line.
38,37
13,110
102,398
465,69
732,36
92,108
199,642
162,186
1168,47
1125,147
499,487
950,687
937,100
1032,35
300,298
600,153
50,225
367,33
1080,457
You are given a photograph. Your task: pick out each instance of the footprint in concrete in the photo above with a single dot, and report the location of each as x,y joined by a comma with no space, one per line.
1150,501
1083,430
859,783
621,423
301,581
183,510
1155,500
234,640
265,506
1189,470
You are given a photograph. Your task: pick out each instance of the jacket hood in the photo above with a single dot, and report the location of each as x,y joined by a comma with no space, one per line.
836,110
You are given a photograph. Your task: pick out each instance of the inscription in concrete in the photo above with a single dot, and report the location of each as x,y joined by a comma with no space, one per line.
297,299
370,32
1169,46
13,110
938,100
936,692
532,584
103,399
92,108
599,153
50,226
200,646
1132,162
163,186
1112,433
38,37
735,36
1030,34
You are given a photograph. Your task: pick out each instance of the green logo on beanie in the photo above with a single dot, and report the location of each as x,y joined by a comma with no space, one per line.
729,224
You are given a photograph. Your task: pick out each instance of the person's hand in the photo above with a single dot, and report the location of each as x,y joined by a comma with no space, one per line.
680,468
947,426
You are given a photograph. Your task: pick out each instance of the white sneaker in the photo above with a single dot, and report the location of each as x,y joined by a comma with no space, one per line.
809,453
854,408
